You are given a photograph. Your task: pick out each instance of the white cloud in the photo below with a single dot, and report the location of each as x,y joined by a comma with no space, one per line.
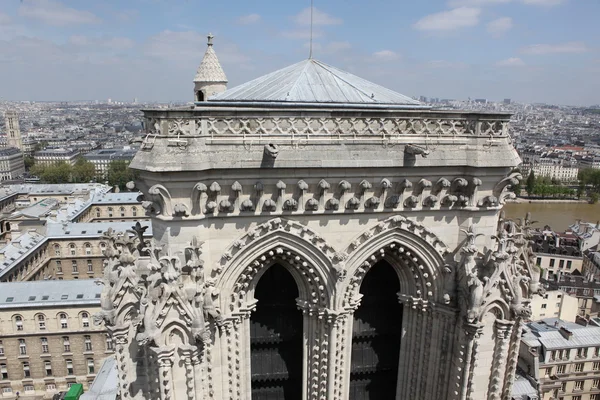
511,62
483,3
457,18
319,18
4,19
544,2
301,34
386,55
112,43
248,19
446,64
127,15
188,47
560,48
499,26
475,3
55,13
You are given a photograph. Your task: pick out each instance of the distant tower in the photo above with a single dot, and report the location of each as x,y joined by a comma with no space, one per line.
13,132
210,78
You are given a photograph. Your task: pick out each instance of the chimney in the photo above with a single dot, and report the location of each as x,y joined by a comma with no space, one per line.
567,334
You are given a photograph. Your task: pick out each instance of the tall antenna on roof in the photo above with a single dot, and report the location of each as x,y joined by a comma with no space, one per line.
311,29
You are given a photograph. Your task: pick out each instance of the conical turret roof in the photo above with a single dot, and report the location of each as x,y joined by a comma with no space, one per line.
312,81
210,68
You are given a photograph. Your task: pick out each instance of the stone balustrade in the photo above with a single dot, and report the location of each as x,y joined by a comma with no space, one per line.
329,125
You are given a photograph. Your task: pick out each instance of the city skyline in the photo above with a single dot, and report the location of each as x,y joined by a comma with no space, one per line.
527,50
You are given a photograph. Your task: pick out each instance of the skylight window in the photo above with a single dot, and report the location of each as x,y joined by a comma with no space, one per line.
31,298
97,295
80,296
45,297
9,299
64,297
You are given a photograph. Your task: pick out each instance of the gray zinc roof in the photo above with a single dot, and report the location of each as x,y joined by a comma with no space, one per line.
49,293
106,383
311,81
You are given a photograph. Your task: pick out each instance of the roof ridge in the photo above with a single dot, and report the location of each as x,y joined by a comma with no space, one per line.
329,69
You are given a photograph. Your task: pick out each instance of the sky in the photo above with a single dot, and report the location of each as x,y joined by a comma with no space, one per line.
527,50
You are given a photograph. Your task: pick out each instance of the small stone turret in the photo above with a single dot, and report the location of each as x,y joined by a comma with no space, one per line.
210,78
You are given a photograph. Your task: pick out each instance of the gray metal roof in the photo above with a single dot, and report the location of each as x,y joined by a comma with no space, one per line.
49,293
547,334
105,385
311,81
523,389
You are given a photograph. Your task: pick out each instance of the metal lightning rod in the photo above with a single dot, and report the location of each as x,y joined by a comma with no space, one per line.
311,29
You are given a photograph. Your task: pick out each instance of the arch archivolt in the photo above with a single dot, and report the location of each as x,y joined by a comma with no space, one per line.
416,253
305,254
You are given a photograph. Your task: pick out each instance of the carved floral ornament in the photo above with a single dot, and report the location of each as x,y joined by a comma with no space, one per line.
213,199
503,279
150,289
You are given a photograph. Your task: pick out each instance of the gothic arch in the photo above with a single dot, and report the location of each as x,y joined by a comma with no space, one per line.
300,250
415,252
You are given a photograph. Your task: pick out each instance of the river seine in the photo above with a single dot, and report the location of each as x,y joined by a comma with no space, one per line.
558,215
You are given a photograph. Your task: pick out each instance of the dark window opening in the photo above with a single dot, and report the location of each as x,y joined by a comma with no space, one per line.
276,338
376,336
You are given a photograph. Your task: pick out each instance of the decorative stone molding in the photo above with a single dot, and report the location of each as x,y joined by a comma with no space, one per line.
411,202
310,127
502,189
353,204
430,201
312,205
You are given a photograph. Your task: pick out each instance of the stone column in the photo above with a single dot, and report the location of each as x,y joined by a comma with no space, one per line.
317,332
120,336
513,358
464,359
340,354
502,330
192,388
164,358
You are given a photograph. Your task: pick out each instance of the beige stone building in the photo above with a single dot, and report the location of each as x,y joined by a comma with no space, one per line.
555,304
54,156
12,165
65,251
48,340
563,358
318,236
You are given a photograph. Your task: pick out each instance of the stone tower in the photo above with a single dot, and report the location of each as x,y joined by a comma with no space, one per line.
318,236
210,78
13,132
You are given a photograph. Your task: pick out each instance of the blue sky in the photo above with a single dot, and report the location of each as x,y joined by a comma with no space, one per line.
528,50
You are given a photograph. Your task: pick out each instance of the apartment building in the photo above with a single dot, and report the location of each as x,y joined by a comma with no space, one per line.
12,165
48,340
563,358
65,251
53,156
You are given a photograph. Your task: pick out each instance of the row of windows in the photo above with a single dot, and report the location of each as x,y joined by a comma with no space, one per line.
73,249
110,212
581,352
87,340
29,388
75,266
579,367
47,368
63,321
579,385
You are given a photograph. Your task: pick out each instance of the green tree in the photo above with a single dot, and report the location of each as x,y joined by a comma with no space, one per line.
594,198
83,171
530,183
55,173
29,162
119,173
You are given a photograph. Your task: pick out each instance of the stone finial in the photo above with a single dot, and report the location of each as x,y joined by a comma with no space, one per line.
210,38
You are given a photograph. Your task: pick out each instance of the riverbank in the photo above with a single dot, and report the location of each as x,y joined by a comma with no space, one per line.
520,200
